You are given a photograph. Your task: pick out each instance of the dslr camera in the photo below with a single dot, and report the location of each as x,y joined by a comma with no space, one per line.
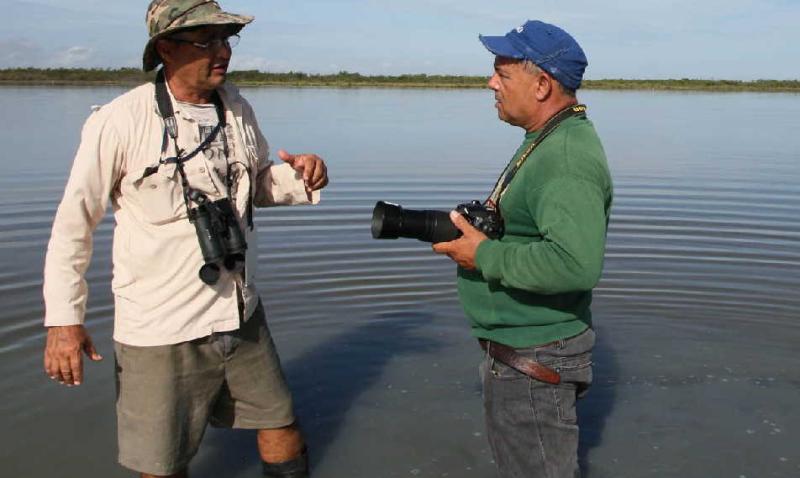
221,239
390,221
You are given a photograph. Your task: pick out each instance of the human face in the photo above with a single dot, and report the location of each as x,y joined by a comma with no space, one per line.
200,69
514,91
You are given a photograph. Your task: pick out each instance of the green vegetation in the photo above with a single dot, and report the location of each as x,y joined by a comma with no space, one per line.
687,84
344,79
72,76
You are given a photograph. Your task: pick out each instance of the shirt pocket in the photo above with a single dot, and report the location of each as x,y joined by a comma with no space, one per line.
158,194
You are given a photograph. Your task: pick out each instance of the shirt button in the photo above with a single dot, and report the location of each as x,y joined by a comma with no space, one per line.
153,186
202,170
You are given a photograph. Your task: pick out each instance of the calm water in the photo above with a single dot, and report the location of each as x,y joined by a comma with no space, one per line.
697,365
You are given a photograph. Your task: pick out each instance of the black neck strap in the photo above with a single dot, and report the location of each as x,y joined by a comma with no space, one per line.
511,170
164,103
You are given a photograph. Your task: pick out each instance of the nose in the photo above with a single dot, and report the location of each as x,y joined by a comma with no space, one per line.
492,84
224,52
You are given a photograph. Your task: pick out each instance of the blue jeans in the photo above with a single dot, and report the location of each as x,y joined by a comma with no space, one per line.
532,426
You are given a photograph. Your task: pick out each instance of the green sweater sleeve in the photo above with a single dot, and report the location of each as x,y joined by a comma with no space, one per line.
570,215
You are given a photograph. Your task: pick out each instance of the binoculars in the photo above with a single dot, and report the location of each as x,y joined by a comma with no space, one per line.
219,234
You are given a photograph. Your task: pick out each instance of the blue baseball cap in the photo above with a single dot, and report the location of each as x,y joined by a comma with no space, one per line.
549,47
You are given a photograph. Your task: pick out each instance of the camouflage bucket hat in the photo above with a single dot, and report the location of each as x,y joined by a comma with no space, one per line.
168,16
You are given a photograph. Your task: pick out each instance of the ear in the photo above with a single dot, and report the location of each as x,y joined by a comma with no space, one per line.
165,49
544,86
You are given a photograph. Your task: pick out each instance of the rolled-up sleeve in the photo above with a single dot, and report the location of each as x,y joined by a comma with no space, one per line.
95,171
280,185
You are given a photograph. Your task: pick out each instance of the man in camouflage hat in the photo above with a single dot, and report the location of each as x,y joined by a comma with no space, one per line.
178,158
166,17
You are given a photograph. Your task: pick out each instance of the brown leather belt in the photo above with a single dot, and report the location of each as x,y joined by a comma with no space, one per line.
529,367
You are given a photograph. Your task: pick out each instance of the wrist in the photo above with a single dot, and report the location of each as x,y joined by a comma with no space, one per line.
482,251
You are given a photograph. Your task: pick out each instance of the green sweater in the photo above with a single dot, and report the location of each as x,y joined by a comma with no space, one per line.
534,285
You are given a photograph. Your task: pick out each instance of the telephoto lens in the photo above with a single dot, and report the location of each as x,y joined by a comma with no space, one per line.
390,221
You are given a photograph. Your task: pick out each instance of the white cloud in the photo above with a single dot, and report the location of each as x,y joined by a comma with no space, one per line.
254,62
76,56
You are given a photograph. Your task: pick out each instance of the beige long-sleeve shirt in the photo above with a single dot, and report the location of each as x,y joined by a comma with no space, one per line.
159,297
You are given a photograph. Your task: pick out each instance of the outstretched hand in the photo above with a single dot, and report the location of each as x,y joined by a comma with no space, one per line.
311,166
463,249
63,359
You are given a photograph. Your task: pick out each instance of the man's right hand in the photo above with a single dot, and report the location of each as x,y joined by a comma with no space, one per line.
63,360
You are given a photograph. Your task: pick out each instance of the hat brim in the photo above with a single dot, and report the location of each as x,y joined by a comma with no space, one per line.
150,58
500,46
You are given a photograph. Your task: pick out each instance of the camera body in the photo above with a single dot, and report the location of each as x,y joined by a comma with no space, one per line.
219,234
390,221
486,220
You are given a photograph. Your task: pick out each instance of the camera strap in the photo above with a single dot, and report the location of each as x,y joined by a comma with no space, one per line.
493,202
164,103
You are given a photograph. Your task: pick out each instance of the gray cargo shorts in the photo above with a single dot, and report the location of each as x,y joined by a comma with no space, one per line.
167,394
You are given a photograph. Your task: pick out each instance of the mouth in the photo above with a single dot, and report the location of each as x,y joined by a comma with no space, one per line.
220,68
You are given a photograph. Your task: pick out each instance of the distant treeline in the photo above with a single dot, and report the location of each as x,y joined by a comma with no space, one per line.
344,79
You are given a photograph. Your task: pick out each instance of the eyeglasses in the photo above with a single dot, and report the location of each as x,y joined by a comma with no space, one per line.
213,44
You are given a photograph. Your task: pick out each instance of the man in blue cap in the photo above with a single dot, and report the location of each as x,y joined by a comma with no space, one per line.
527,294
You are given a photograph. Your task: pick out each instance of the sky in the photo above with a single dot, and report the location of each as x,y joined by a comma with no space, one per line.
709,39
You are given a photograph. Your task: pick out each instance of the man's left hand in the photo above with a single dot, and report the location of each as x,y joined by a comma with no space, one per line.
463,249
311,166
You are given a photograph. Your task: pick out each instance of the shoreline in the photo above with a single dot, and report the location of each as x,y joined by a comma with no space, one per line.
131,76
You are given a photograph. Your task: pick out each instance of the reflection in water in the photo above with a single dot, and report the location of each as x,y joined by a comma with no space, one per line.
696,312
595,408
327,380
